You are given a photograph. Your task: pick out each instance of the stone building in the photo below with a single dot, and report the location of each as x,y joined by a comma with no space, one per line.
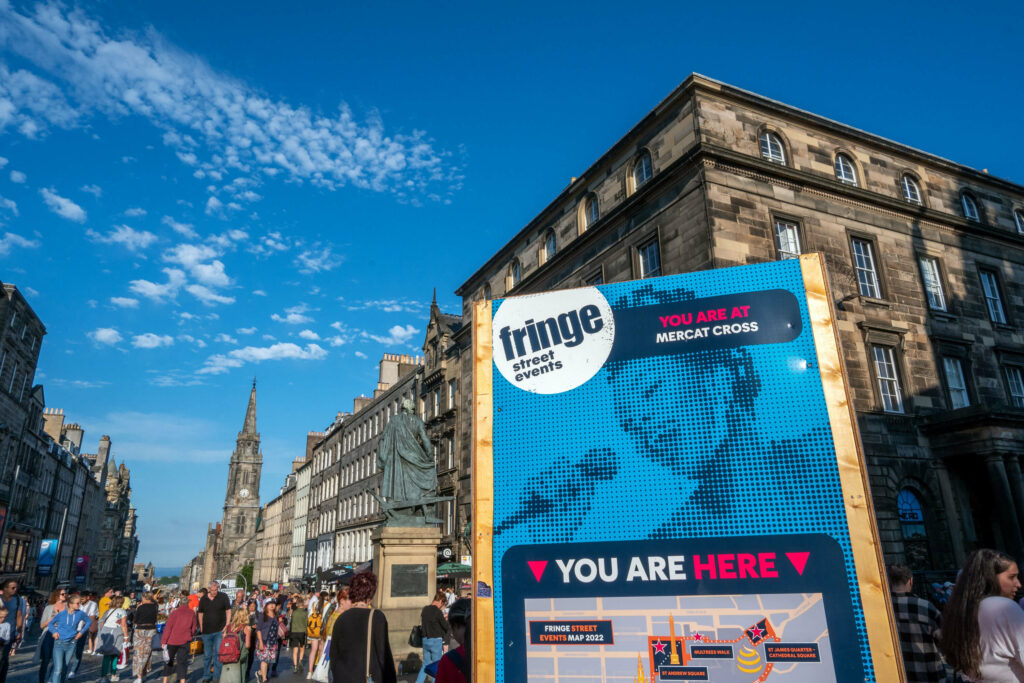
926,264
274,536
297,560
118,542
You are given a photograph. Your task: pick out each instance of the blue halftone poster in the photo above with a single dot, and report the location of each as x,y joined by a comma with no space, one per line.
668,500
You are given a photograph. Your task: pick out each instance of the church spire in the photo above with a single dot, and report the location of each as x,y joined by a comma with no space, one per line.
250,413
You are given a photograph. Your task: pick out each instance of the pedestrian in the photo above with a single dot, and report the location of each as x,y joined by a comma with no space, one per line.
67,628
214,611
314,626
92,608
454,667
15,617
917,622
146,615
297,623
231,672
436,633
179,630
982,627
104,603
451,597
267,640
239,599
253,619
355,629
76,660
45,647
6,640
112,636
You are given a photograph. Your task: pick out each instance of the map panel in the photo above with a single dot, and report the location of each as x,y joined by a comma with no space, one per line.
723,638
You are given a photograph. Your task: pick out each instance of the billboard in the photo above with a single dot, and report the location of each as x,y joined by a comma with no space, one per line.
47,556
81,569
668,486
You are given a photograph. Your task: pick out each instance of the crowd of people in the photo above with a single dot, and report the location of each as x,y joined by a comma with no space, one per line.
328,637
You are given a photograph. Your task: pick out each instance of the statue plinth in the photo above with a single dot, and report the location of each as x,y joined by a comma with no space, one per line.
405,561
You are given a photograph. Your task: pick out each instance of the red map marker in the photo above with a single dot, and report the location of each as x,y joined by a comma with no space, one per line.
537,567
799,561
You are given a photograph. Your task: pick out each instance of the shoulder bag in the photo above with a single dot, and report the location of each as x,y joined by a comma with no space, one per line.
111,638
369,633
416,636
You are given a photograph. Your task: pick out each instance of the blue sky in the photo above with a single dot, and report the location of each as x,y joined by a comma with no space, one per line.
192,194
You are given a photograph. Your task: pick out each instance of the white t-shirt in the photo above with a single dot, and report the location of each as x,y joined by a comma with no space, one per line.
313,602
91,609
113,617
1001,635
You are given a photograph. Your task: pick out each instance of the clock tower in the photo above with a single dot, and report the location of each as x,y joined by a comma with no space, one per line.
242,500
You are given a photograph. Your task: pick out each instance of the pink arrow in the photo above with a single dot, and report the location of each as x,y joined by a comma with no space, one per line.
537,567
799,561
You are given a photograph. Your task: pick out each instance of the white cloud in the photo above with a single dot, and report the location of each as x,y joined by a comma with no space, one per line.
183,229
151,341
271,243
246,330
18,177
258,292
32,292
135,211
360,354
122,234
94,190
61,205
389,305
225,339
269,337
208,296
317,259
309,334
105,335
3,162
9,240
160,292
211,274
124,302
78,383
294,315
336,340
236,128
9,205
194,257
192,340
221,363
213,205
397,335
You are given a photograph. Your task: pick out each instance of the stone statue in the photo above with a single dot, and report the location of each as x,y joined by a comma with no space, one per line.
405,456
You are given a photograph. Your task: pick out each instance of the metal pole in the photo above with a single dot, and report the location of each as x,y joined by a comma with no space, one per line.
60,545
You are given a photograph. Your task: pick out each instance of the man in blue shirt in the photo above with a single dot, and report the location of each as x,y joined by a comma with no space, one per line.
15,617
67,628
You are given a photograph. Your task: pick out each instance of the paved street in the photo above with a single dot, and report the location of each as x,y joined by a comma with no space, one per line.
24,670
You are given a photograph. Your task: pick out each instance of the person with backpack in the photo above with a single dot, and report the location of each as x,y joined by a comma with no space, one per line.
313,628
179,629
234,647
454,667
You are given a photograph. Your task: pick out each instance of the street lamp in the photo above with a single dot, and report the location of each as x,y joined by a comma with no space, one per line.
246,583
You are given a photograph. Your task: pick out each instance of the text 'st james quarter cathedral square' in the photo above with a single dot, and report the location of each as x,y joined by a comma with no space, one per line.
487,344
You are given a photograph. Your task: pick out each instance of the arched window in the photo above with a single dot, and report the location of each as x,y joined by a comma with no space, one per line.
642,170
1018,219
515,273
915,537
771,148
549,246
845,172
588,213
911,190
969,206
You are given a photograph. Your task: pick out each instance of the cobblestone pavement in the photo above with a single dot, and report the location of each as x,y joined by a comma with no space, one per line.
24,670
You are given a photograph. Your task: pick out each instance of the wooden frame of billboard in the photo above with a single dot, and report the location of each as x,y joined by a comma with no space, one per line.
867,552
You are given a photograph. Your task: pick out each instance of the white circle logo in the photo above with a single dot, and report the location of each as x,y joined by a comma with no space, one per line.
553,342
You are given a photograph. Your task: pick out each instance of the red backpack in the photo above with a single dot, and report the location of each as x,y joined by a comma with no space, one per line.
230,648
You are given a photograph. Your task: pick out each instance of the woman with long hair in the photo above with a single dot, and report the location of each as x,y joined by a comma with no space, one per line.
982,627
232,672
53,607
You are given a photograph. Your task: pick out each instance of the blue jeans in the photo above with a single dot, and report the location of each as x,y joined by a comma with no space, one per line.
433,649
63,656
211,644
